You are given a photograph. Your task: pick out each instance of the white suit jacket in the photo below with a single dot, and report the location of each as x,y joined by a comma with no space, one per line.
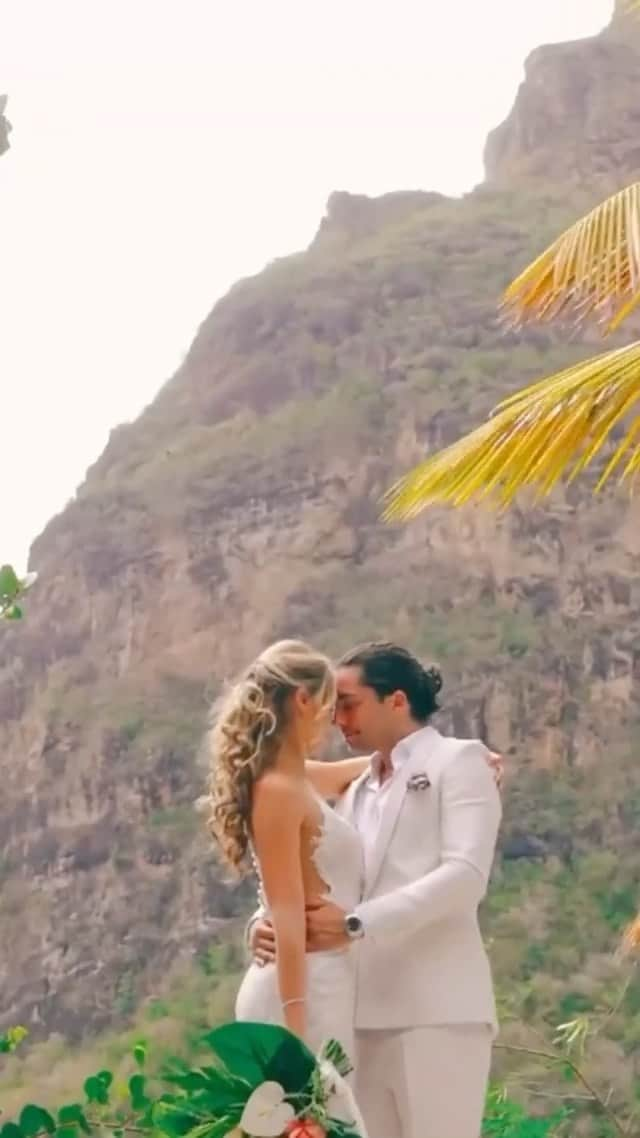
422,961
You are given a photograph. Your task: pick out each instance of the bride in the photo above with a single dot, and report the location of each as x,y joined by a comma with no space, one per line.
268,811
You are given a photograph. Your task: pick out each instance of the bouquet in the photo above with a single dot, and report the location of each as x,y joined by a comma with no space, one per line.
264,1083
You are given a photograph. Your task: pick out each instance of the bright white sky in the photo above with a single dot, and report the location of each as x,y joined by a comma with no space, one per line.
163,148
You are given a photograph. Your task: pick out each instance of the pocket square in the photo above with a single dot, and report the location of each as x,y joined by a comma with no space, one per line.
418,782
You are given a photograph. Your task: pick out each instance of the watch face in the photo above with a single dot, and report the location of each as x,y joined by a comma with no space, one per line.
354,925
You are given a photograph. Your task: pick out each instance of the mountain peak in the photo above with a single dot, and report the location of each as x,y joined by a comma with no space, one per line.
576,116
350,217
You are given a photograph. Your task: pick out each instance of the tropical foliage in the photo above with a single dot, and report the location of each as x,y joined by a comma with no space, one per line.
12,589
11,1039
558,426
261,1082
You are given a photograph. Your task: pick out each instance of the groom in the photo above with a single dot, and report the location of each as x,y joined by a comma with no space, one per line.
428,811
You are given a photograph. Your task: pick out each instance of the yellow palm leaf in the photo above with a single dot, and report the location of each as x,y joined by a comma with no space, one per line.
592,270
554,428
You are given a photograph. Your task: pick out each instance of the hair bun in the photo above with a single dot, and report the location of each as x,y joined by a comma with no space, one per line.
433,677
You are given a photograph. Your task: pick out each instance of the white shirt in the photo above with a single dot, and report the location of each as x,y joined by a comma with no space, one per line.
372,794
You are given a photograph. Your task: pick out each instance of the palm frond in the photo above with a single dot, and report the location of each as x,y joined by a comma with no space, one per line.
553,429
592,270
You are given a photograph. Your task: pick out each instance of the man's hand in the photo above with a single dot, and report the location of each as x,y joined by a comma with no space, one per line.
325,928
262,942
496,762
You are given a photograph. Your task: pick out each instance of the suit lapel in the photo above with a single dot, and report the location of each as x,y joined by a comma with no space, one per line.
416,762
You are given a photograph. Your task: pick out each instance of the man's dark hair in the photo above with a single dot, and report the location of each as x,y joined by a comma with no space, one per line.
387,668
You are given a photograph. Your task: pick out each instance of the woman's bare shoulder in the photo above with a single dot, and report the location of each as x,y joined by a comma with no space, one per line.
277,791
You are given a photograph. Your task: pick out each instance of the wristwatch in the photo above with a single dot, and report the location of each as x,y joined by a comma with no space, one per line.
354,927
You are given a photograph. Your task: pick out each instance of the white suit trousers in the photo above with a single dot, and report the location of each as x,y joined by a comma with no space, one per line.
424,1082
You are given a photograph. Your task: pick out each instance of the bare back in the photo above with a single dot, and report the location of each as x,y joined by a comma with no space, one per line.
318,847
303,851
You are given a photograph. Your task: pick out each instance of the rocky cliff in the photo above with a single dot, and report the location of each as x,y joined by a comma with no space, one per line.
576,117
244,505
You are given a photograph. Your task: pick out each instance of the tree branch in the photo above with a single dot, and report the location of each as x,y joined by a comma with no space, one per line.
552,1057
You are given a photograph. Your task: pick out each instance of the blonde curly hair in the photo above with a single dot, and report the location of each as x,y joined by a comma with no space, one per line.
248,726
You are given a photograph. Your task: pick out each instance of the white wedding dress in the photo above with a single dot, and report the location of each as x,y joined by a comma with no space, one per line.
338,857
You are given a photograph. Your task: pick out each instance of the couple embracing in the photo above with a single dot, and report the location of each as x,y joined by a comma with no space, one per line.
367,931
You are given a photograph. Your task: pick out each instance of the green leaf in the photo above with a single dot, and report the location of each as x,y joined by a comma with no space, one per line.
217,1080
336,1054
73,1115
96,1091
10,1130
260,1052
292,1066
140,1052
219,1128
137,1084
106,1078
169,1119
198,1080
9,583
223,1126
568,1073
212,1090
12,1038
14,612
34,1119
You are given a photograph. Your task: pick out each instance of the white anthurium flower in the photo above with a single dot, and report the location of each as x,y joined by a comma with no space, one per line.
266,1114
340,1100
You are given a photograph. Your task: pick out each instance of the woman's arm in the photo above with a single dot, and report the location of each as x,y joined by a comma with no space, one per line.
277,847
330,780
